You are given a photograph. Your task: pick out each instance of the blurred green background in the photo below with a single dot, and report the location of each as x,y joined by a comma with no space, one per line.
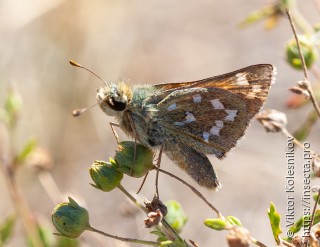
143,42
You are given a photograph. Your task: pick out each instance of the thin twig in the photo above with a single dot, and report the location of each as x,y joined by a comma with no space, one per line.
286,243
295,141
313,213
20,204
306,75
298,45
144,209
257,243
130,240
134,200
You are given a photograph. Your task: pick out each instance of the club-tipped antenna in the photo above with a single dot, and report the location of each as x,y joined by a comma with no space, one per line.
78,112
73,63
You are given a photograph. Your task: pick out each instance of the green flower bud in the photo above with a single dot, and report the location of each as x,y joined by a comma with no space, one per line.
309,52
175,216
134,165
105,176
70,219
216,224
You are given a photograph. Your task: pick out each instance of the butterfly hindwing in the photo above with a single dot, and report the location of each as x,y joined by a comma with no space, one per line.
187,159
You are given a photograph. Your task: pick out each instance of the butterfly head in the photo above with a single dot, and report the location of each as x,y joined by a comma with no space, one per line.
114,98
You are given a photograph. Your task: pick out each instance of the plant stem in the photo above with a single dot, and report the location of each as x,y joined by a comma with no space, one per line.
295,141
18,200
165,224
257,243
309,88
134,200
21,205
313,213
285,243
130,240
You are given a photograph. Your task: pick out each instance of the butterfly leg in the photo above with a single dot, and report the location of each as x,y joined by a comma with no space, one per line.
196,164
158,169
143,181
145,177
115,134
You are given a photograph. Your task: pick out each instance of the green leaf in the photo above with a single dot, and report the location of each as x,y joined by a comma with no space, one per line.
157,233
258,16
297,226
315,196
176,243
6,228
216,224
233,221
161,235
316,218
28,148
274,218
13,106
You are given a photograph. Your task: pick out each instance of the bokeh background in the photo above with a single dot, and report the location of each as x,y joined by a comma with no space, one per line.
144,42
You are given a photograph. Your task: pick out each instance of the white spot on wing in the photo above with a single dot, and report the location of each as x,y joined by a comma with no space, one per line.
172,107
197,98
206,136
256,88
219,123
179,123
217,104
190,118
215,130
241,79
251,95
231,115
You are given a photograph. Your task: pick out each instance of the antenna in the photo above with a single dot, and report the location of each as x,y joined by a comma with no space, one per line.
73,63
78,112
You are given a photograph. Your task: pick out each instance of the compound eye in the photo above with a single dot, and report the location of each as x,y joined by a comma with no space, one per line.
116,105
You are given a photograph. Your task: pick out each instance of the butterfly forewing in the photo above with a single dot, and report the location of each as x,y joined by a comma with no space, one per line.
251,83
210,120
